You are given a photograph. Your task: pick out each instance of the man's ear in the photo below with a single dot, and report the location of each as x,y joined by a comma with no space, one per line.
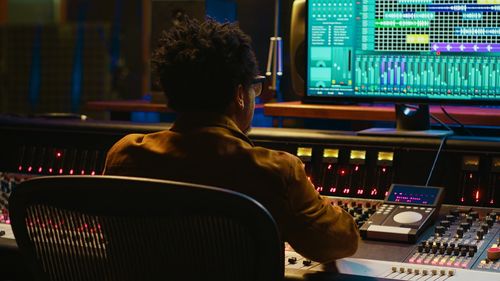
240,97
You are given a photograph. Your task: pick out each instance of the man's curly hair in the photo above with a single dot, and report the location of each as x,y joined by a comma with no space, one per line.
200,65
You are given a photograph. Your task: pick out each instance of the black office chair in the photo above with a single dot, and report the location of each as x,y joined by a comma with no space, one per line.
119,228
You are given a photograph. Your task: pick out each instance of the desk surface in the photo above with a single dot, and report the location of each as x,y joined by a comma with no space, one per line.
466,115
127,106
131,106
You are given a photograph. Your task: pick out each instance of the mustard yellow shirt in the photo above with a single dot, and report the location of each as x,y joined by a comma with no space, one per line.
211,150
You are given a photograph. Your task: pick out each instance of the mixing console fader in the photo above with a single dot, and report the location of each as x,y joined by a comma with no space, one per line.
461,239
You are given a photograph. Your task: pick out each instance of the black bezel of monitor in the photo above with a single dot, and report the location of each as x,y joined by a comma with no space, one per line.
435,204
372,100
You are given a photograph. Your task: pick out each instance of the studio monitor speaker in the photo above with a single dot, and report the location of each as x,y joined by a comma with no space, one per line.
297,46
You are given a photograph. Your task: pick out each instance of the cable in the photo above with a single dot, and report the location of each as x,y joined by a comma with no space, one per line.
441,123
456,121
443,140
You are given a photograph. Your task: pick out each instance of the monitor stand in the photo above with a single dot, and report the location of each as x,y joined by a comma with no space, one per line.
411,121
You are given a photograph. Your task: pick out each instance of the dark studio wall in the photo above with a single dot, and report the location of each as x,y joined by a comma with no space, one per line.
99,49
125,42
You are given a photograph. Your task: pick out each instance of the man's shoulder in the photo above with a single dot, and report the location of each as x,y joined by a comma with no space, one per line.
135,142
126,141
282,158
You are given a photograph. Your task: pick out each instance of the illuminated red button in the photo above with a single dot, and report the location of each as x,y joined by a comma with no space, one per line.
494,253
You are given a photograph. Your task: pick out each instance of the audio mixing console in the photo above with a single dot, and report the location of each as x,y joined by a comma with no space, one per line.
442,253
354,172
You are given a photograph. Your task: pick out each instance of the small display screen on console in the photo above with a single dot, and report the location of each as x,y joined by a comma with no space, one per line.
407,194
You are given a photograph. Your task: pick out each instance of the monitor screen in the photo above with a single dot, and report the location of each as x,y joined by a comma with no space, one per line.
403,50
408,194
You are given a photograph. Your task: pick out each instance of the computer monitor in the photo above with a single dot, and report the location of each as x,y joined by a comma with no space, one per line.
401,51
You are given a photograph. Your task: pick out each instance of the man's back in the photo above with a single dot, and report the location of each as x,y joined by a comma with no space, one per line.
212,150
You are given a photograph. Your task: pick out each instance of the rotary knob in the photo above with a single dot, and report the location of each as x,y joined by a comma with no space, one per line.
490,221
450,217
473,247
352,212
445,223
440,229
449,250
474,214
463,251
471,253
493,215
434,249
480,234
470,220
493,253
465,226
442,250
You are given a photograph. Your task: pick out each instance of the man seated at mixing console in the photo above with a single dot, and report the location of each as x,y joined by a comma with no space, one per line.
208,72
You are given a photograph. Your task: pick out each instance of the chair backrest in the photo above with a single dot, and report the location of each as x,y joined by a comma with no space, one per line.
121,228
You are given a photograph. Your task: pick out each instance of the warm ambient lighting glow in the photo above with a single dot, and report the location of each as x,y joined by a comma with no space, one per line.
358,154
471,161
331,153
304,151
385,156
495,162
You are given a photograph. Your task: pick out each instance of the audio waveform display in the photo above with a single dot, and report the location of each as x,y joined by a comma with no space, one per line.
443,77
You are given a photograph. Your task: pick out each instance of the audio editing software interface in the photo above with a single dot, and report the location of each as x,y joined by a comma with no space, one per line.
429,49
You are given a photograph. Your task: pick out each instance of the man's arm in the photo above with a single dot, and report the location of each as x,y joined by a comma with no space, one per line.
318,230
